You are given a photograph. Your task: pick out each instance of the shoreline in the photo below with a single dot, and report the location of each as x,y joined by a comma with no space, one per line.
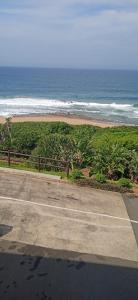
69,119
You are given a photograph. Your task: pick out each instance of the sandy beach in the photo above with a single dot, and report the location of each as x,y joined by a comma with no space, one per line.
70,119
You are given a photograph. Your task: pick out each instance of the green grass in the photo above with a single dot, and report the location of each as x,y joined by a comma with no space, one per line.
24,166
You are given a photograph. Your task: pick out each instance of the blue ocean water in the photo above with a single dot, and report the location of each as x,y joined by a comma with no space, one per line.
99,94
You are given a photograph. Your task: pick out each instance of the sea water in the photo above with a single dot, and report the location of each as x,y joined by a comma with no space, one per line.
97,94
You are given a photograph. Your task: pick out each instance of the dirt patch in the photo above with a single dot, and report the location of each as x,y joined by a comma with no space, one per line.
85,172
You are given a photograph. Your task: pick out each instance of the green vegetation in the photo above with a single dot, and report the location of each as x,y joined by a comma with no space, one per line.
76,174
100,178
25,166
111,153
125,182
109,186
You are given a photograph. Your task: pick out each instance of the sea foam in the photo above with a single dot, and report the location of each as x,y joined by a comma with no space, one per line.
59,103
28,105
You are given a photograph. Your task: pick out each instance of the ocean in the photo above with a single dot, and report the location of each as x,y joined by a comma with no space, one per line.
97,94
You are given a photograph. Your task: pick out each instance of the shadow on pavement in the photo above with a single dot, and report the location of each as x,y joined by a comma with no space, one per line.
131,203
29,272
4,229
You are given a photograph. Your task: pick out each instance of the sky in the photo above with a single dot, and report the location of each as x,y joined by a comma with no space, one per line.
69,33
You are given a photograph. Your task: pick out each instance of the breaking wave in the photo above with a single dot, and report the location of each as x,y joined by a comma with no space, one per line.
17,106
59,103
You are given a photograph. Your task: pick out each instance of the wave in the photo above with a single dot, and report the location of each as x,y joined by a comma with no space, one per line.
39,102
26,105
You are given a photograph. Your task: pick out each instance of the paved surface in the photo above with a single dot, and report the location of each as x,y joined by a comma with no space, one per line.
94,250
28,272
131,203
30,174
66,217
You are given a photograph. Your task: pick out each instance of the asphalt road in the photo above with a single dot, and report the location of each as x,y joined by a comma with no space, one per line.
59,241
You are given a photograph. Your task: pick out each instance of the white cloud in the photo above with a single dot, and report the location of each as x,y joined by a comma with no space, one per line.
50,33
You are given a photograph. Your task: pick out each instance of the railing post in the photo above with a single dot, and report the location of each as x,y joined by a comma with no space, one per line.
67,170
9,158
39,164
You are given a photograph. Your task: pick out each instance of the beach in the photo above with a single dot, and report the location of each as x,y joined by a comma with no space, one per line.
70,119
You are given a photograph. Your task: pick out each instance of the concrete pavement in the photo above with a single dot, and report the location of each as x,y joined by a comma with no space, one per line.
79,242
62,216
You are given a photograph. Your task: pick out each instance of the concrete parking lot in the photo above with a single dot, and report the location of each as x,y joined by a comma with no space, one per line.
68,228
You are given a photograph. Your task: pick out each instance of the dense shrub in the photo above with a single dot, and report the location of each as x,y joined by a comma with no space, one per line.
115,161
110,151
125,183
56,146
100,178
59,127
91,173
106,186
76,174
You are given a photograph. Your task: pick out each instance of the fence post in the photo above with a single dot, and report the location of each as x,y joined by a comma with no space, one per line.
9,158
39,164
67,170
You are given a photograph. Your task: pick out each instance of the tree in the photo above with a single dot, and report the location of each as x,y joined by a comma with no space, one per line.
56,146
6,132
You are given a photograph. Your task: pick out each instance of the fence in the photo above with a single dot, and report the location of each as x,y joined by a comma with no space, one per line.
39,162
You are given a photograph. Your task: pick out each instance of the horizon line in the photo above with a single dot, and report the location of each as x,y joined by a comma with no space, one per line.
71,68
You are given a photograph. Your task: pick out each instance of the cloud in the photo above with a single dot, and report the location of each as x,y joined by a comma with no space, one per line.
69,33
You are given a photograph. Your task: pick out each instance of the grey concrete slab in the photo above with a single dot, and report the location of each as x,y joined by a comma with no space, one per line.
41,190
62,216
49,227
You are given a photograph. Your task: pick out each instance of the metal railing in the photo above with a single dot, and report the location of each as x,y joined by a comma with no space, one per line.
40,163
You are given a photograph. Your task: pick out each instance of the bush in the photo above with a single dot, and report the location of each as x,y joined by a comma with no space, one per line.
106,186
100,178
91,173
124,182
76,174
